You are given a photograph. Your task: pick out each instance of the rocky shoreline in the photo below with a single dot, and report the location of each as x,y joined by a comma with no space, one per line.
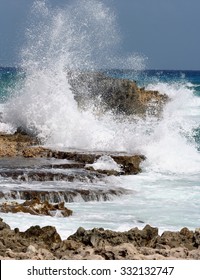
24,159
100,244
44,243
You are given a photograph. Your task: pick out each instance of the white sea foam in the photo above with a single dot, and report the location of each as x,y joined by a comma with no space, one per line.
105,163
84,36
172,147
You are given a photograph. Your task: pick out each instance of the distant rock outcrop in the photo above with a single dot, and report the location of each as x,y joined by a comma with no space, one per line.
121,96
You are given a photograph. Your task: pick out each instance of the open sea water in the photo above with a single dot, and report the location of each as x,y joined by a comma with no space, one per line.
39,99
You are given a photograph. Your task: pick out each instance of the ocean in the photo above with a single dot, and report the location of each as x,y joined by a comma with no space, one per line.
37,97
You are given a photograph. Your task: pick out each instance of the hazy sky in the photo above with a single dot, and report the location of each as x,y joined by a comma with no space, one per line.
166,31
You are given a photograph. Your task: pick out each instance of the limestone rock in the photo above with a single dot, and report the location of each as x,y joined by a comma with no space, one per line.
44,243
118,95
36,207
13,144
100,237
47,234
197,237
69,195
3,225
184,238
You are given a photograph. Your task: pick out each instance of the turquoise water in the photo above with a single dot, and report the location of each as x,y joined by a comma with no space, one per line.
8,79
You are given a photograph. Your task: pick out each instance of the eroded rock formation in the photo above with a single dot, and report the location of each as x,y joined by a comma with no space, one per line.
36,207
98,244
120,96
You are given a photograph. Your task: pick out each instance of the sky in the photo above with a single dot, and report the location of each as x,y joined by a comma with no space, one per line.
165,31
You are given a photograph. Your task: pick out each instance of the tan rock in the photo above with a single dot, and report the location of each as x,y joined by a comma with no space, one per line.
36,207
118,95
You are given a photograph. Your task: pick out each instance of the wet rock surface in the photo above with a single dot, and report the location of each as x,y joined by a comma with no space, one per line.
81,175
69,195
29,163
22,146
98,244
13,144
120,96
36,207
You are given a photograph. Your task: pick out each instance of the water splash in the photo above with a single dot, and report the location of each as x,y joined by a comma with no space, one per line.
85,36
105,163
172,147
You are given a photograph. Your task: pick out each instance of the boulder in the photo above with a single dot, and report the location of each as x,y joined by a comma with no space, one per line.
3,225
183,238
36,234
120,96
99,238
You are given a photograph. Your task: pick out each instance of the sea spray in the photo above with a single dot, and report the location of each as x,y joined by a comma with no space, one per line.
84,36
172,147
81,37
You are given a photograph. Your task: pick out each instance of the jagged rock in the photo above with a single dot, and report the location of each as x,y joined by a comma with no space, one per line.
3,225
184,238
68,195
47,234
13,144
118,95
37,175
34,243
197,237
101,237
30,152
21,145
44,243
36,207
130,164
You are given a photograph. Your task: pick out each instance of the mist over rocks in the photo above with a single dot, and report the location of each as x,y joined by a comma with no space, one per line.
25,146
22,160
44,243
121,96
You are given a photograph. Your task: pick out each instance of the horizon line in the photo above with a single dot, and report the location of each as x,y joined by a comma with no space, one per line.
120,69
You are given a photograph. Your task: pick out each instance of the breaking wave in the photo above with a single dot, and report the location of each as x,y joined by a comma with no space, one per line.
85,36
